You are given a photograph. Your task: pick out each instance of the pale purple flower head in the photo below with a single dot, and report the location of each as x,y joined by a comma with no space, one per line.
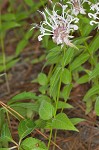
77,6
59,26
95,14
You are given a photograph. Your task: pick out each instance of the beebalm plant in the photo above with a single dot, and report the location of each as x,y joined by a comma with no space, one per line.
78,18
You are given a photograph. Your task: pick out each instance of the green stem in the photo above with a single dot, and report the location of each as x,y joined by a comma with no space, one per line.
86,44
50,138
50,72
4,57
58,94
57,99
55,135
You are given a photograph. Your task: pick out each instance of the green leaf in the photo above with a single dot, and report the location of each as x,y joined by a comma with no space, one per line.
66,76
80,40
44,97
79,61
87,29
33,144
83,79
94,44
22,96
97,106
62,105
61,121
4,149
66,91
9,25
8,17
89,105
22,15
25,127
20,46
85,26
94,72
53,55
46,110
67,57
40,123
31,106
28,35
5,133
29,2
43,89
54,80
42,79
2,117
9,65
76,120
93,91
